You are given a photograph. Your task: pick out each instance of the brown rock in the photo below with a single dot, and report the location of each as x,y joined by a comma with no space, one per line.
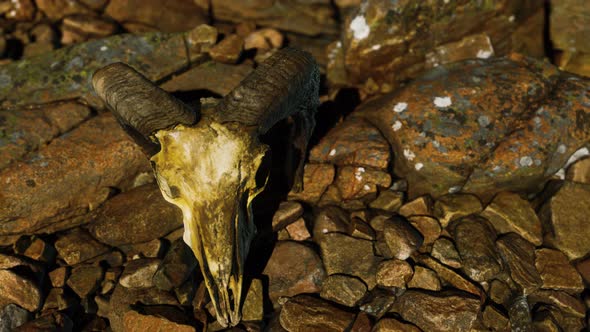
52,321
227,50
475,243
353,143
253,308
394,273
213,76
449,276
39,250
57,299
495,320
78,246
136,322
86,26
150,249
201,39
360,229
419,206
85,279
388,201
565,214
306,313
393,325
519,254
452,207
510,213
444,250
298,230
427,226
175,16
292,269
579,171
57,9
342,254
358,182
138,273
378,302
568,304
59,276
401,237
362,323
10,261
36,197
21,10
18,290
263,39
342,289
569,27
425,279
500,292
130,217
176,267
556,271
330,219
440,312
472,46
316,178
583,267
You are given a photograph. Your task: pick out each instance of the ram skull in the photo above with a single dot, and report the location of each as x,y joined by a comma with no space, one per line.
208,161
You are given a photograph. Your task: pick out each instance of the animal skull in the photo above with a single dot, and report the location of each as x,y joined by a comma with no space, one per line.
209,167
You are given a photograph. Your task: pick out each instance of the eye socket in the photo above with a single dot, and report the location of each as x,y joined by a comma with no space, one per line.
263,170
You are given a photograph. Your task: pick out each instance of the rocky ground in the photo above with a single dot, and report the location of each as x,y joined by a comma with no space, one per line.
439,195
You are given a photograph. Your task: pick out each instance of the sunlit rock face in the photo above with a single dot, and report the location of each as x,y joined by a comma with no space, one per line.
210,172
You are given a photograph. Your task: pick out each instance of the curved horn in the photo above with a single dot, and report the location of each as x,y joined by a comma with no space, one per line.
140,106
284,84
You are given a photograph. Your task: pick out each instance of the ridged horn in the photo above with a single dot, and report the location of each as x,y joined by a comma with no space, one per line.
284,84
140,106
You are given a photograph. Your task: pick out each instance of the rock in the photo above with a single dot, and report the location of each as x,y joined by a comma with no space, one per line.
568,304
306,313
57,299
39,250
176,267
59,276
474,239
477,45
427,226
316,179
519,254
253,308
378,302
342,254
510,213
298,230
138,273
360,229
556,271
201,38
418,207
213,76
13,316
292,269
401,237
130,217
425,279
394,273
86,26
568,32
136,322
52,321
354,183
9,261
56,9
85,279
494,320
37,198
77,246
579,171
452,207
393,325
388,201
583,268
263,39
175,16
565,215
18,290
22,10
440,312
227,50
353,143
448,275
150,249
343,289
330,219
444,250
500,292
362,323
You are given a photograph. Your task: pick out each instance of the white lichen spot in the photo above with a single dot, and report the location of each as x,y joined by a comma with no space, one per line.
447,1
376,47
442,101
484,54
104,48
454,189
511,18
400,107
418,166
397,125
358,174
579,154
409,154
483,120
366,187
436,144
359,27
324,230
525,161
332,153
561,148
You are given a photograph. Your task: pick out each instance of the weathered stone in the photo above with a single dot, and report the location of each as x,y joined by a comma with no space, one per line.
568,304
444,250
475,243
362,323
175,16
10,261
342,254
500,292
394,273
579,171
263,39
56,9
393,325
427,226
287,213
58,299
508,212
424,278
316,179
87,25
51,321
449,276
306,313
495,320
419,206
177,265
358,182
18,290
342,289
388,201
85,279
138,273
401,237
440,312
360,229
353,143
298,230
13,316
253,308
136,322
556,271
59,276
36,197
565,215
583,268
292,269
201,38
130,217
228,50
569,31
378,302
478,45
21,10
78,246
150,249
330,219
519,254
452,207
